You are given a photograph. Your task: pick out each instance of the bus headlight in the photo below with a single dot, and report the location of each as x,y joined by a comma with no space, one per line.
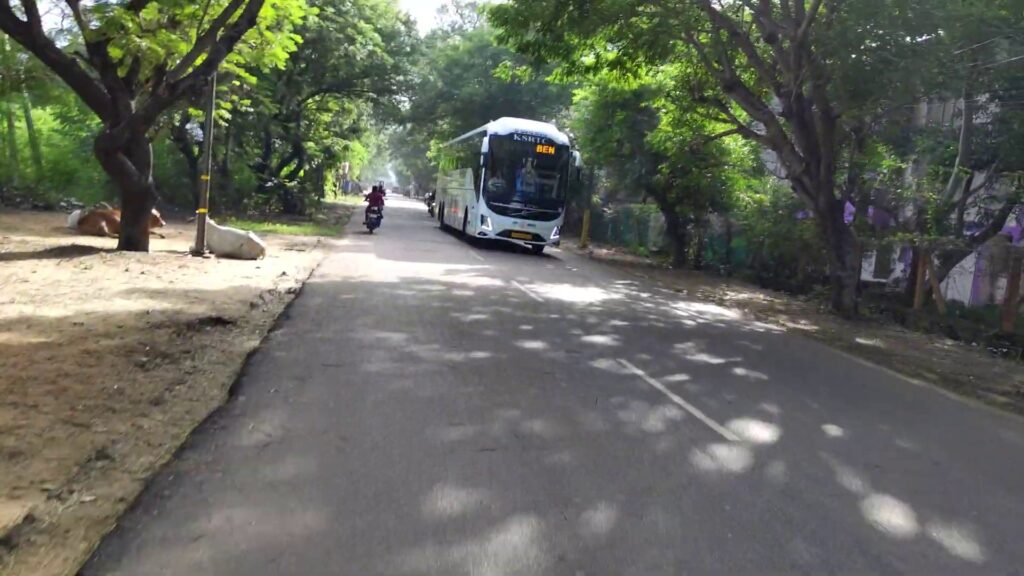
556,232
485,222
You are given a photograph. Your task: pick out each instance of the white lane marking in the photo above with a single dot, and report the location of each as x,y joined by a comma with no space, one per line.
721,430
477,256
529,292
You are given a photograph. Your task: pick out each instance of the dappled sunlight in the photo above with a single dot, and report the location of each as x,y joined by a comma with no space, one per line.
906,444
447,501
639,415
470,317
532,344
722,457
958,540
694,352
755,431
540,428
674,378
890,515
609,365
898,520
254,526
703,311
873,342
833,431
372,268
602,340
598,520
770,408
847,477
516,546
434,353
573,294
749,374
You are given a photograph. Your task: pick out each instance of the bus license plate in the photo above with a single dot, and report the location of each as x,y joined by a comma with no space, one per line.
522,236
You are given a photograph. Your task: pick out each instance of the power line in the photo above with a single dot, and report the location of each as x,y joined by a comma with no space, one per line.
1007,61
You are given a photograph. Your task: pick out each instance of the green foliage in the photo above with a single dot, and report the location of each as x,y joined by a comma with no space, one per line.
286,228
324,108
462,81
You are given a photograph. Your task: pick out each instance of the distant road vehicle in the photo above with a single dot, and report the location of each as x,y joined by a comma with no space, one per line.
507,181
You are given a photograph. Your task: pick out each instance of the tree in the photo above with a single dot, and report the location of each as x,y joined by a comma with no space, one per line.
978,160
354,60
138,59
797,78
462,81
647,139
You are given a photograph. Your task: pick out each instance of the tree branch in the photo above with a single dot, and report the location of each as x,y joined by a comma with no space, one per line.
205,41
29,34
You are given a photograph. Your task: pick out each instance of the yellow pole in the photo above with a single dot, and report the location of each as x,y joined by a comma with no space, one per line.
585,233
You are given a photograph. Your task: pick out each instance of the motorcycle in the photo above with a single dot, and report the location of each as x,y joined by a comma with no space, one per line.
429,201
374,216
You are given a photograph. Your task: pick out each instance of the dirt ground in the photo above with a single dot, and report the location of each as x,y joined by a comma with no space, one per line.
969,371
107,361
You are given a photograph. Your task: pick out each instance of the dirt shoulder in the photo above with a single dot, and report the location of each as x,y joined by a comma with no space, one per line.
108,361
968,371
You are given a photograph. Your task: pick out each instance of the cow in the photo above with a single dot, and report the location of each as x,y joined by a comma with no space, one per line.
107,222
227,242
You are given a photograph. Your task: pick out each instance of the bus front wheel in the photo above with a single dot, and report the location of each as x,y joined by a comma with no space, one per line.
465,222
440,216
537,249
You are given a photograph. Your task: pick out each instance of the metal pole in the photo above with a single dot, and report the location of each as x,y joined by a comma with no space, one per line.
199,249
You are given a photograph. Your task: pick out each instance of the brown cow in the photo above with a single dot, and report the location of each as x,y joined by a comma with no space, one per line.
107,222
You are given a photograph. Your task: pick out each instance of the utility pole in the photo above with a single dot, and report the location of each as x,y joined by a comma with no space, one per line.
199,249
1011,301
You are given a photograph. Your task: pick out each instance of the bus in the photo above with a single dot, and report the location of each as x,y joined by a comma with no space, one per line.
507,181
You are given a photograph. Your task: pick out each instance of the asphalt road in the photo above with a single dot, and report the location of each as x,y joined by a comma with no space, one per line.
431,407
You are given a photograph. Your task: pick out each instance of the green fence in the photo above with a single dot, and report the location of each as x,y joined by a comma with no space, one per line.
632,226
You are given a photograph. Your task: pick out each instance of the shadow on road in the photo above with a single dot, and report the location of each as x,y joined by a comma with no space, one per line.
433,418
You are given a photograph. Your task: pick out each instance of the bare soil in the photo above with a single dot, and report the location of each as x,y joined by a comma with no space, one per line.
108,360
966,370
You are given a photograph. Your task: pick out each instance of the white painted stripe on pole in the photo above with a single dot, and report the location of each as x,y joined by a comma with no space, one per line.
529,292
721,430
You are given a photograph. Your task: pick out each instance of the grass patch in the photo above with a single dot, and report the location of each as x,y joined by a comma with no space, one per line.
330,221
288,228
348,199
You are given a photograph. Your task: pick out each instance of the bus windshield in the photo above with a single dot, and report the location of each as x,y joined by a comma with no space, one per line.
526,177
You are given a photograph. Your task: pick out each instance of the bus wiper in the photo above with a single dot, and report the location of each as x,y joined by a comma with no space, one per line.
525,208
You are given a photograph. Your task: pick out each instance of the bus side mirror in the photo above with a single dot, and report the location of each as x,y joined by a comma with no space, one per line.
577,164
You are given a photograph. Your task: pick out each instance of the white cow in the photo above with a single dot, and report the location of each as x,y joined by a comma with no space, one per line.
73,218
228,242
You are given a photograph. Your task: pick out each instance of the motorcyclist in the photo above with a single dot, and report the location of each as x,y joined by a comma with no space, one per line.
375,199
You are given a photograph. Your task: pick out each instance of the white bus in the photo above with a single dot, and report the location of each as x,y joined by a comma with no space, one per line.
507,181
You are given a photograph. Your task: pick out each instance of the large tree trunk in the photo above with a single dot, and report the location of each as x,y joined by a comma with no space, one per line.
33,137
843,264
131,168
12,143
677,232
